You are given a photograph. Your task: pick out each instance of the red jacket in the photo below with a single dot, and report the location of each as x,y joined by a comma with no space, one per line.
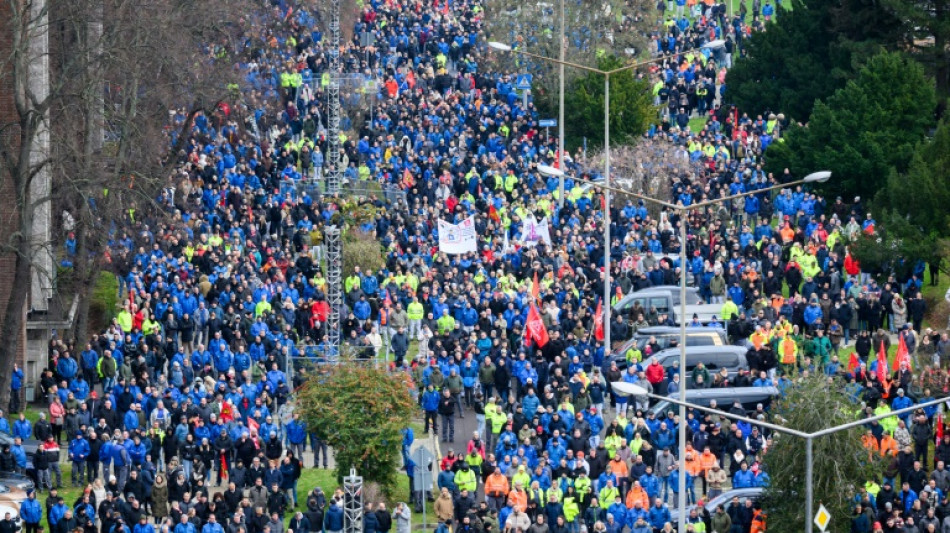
655,372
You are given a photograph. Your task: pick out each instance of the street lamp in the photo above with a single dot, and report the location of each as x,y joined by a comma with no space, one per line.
632,389
819,177
502,47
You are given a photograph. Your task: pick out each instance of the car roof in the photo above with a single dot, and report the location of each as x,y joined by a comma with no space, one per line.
701,349
664,330
732,392
727,496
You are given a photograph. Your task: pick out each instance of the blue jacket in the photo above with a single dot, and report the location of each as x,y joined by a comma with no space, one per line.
67,367
144,528
23,429
658,516
78,449
430,401
187,527
211,528
19,454
131,420
651,484
743,479
296,432
31,511
56,513
333,520
530,404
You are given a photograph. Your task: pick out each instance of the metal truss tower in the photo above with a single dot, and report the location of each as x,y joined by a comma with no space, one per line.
334,172
334,258
353,503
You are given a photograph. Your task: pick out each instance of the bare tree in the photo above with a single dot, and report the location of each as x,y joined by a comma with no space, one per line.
592,28
649,167
106,74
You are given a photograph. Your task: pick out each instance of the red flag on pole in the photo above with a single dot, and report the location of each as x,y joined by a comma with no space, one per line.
939,424
535,329
903,356
882,365
854,363
599,321
253,426
535,286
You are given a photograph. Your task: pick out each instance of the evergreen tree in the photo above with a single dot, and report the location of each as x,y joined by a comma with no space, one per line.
863,131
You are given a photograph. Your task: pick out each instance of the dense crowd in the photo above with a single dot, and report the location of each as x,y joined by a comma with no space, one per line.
225,300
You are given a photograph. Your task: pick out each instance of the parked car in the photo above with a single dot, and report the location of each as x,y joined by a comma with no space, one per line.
667,337
666,302
749,397
17,481
709,506
714,358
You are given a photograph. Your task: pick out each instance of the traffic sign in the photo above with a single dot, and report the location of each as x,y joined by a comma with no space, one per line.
523,82
547,123
822,517
422,474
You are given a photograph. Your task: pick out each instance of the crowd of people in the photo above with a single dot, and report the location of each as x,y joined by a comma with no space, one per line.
224,299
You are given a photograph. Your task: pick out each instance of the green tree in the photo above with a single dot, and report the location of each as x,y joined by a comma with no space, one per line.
840,461
631,106
363,250
360,411
806,54
863,131
914,220
926,25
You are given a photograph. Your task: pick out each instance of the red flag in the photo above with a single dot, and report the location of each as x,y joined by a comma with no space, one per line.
253,426
939,427
882,365
599,321
535,329
903,356
493,214
388,302
535,287
854,363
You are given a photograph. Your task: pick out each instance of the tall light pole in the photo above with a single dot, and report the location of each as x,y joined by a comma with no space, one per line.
551,171
683,212
631,389
560,112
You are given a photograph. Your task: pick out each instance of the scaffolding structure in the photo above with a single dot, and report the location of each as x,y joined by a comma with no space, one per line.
353,503
334,258
334,172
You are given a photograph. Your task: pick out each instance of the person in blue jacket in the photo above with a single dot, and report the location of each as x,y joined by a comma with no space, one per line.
297,435
185,526
659,514
143,526
78,452
31,512
212,526
333,520
408,437
430,405
743,478
23,428
650,483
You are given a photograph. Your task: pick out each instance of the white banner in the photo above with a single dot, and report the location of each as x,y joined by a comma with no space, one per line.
458,238
534,231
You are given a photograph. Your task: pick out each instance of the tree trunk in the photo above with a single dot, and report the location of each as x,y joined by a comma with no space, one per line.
84,285
13,317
